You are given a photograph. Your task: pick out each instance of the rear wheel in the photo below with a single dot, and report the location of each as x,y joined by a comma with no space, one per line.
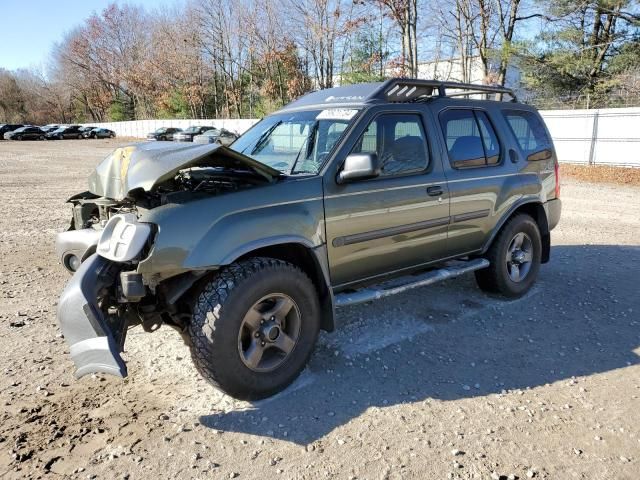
515,259
254,327
41,137
79,136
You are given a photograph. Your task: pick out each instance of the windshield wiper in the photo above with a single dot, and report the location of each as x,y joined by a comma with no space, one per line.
308,143
264,137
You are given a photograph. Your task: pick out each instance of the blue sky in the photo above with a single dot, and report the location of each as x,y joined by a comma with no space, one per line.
28,29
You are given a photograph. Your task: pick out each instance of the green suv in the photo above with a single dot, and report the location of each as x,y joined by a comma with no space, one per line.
344,196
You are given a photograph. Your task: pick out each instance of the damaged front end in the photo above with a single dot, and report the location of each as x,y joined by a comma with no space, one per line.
107,241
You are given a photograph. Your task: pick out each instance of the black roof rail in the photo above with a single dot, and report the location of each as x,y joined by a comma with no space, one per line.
411,90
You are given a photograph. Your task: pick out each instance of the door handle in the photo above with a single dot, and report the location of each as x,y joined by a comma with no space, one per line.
435,191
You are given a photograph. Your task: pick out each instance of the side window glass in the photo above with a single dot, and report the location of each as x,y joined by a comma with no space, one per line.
399,141
528,130
463,139
489,139
470,138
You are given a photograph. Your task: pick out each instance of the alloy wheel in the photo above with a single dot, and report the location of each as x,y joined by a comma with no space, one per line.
269,332
519,257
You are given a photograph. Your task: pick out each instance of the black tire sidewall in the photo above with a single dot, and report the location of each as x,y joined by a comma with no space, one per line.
527,225
231,373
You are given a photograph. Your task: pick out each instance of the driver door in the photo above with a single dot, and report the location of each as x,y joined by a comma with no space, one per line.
395,221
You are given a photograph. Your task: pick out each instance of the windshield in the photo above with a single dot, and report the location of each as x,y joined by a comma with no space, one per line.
297,142
61,129
161,130
211,133
192,130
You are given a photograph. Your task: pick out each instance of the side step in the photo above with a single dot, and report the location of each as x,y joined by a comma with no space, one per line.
403,284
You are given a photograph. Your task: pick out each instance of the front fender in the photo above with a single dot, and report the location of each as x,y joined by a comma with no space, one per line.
212,232
241,233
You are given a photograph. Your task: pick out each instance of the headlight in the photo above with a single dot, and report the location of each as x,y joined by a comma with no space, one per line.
123,238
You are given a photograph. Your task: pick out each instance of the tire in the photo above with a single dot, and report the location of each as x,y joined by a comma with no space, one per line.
41,137
231,322
79,137
515,259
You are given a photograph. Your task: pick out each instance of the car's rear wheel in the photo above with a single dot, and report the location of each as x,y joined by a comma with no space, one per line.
41,137
254,326
79,137
514,258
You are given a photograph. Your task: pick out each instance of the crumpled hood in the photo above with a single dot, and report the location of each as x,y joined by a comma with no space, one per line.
145,165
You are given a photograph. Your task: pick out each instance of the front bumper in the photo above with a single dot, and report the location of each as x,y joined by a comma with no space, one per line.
74,246
94,345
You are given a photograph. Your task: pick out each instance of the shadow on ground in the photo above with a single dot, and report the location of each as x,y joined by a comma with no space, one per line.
450,341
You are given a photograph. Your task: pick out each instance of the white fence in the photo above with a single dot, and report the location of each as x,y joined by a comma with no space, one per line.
597,137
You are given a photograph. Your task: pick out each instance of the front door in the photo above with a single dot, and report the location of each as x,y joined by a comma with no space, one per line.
395,221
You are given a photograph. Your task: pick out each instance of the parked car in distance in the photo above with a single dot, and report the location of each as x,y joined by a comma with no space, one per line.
345,196
188,134
163,133
62,133
86,129
9,127
221,136
99,132
50,127
25,133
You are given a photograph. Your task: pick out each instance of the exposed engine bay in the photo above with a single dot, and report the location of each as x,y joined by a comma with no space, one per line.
91,210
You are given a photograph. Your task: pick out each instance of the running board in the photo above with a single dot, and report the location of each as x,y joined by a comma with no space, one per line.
403,284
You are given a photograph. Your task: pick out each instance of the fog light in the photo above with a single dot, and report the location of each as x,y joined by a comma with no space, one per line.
72,262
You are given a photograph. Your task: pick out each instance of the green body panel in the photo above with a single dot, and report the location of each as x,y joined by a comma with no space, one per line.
216,231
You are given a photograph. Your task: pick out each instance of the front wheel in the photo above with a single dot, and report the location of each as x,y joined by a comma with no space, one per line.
514,259
254,327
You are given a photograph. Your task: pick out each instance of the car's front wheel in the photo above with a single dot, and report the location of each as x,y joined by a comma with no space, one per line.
514,258
254,326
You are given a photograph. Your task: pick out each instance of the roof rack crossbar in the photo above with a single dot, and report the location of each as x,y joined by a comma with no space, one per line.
408,90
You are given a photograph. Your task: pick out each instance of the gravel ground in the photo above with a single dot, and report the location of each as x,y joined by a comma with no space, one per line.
439,382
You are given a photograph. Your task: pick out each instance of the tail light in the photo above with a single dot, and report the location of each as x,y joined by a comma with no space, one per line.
557,170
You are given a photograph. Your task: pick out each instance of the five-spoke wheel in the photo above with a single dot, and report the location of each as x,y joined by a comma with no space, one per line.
269,332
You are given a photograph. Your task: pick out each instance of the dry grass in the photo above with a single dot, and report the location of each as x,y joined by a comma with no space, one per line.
601,174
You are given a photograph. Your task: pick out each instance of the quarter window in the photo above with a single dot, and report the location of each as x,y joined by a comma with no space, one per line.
399,142
470,138
528,130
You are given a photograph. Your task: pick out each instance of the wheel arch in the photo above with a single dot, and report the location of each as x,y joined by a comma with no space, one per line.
535,210
312,261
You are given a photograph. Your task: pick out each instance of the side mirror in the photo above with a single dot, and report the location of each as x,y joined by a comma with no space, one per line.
359,166
545,154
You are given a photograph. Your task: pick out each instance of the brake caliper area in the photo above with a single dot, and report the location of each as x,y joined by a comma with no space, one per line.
95,342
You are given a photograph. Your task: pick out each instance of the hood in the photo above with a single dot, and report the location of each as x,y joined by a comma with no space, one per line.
146,165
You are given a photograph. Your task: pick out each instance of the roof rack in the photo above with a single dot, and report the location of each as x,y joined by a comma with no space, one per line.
412,90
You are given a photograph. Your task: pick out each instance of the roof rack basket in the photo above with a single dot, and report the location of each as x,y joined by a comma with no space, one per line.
412,90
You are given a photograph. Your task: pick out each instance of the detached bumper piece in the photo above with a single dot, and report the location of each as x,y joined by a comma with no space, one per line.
95,346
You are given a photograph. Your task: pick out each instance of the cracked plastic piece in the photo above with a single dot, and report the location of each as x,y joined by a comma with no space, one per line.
123,238
92,344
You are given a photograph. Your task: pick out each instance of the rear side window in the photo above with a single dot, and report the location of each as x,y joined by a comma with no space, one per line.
398,140
471,139
528,130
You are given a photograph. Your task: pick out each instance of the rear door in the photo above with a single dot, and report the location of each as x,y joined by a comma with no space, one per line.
393,222
482,174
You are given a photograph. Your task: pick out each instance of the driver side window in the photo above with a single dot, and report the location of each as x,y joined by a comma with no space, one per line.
399,142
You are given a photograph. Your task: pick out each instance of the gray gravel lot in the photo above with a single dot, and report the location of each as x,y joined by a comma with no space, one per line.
439,382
